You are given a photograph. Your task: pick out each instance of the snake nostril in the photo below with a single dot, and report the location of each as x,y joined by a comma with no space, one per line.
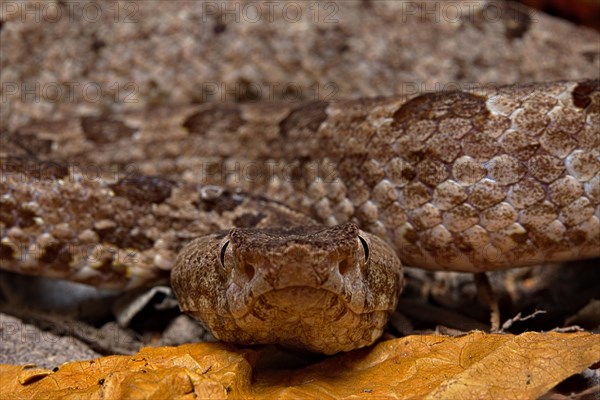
343,266
248,271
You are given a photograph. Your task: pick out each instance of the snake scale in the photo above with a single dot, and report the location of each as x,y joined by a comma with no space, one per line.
291,228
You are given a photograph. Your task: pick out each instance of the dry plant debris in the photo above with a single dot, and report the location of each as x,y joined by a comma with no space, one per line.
476,365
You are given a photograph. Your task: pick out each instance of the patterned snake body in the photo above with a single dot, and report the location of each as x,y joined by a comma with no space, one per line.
461,181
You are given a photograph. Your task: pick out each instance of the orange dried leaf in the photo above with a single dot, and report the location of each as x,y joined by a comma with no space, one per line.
205,370
477,365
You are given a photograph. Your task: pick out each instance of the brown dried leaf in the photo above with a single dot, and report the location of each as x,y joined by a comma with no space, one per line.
477,365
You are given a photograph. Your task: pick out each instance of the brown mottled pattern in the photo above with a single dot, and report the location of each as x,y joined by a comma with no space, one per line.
456,182
477,181
105,130
114,235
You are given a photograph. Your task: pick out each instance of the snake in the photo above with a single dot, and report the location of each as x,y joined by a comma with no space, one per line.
290,222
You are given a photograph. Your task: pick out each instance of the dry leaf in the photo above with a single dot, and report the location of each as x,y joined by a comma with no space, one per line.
477,365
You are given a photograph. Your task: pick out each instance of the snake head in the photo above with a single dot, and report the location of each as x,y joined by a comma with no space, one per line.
321,289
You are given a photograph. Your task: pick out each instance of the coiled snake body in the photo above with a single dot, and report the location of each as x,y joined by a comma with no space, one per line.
466,181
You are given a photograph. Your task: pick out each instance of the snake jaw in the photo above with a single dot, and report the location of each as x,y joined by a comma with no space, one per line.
310,287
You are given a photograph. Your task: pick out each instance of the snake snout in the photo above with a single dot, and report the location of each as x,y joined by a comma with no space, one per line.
294,266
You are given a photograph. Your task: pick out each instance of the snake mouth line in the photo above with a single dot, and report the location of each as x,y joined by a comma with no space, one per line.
293,302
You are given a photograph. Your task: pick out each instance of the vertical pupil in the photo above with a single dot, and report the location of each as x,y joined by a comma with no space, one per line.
365,247
223,249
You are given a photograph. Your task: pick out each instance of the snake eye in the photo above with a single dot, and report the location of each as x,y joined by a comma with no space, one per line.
223,249
365,247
